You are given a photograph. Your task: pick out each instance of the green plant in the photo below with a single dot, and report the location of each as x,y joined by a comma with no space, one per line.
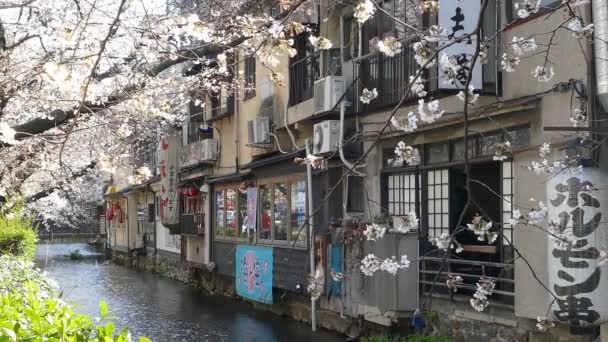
76,255
423,338
383,218
17,234
379,338
411,338
30,310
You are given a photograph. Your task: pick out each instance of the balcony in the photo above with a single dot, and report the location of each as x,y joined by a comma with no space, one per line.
470,271
304,72
192,224
198,152
302,76
389,75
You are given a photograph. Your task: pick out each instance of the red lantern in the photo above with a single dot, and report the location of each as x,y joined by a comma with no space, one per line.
109,213
192,191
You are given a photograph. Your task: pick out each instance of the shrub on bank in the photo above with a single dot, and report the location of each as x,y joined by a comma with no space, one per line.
31,310
17,234
411,338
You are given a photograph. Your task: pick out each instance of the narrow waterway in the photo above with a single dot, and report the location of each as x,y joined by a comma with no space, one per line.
161,308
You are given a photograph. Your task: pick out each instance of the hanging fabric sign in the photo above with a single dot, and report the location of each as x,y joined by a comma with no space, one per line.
460,18
169,190
576,248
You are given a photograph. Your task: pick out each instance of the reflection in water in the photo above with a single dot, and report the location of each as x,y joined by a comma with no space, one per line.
161,308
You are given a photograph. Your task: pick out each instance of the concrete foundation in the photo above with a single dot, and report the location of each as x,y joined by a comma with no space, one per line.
453,319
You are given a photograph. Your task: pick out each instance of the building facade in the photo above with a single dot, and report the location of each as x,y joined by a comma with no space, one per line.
244,202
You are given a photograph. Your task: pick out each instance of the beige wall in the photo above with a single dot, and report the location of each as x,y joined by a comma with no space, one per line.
232,131
196,250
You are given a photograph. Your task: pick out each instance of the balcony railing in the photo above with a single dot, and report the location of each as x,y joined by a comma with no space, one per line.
302,76
389,75
202,151
470,271
305,72
192,224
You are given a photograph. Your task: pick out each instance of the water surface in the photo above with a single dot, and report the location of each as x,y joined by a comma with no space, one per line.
161,308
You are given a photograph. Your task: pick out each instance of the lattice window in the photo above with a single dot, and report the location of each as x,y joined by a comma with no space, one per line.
507,202
438,217
401,189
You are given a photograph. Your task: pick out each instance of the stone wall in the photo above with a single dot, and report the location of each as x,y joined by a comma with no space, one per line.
455,319
495,324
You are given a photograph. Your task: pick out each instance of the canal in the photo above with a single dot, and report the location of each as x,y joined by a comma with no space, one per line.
160,308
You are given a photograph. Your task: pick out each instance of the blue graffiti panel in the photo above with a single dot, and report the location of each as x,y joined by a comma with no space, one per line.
254,273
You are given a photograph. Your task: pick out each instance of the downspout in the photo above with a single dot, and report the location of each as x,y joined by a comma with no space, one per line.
341,143
236,132
313,302
128,226
592,107
600,26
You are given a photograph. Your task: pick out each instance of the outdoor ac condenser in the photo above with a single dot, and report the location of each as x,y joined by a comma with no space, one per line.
209,150
326,136
259,129
327,92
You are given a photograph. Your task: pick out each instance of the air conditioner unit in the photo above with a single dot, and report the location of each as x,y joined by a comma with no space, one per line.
327,92
209,150
259,129
326,136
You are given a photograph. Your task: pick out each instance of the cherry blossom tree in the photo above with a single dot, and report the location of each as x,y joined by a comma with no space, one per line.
84,84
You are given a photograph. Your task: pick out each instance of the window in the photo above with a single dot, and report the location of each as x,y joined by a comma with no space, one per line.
513,10
231,212
192,205
266,214
249,77
280,211
401,193
220,214
283,211
438,153
350,40
356,192
438,209
507,205
242,230
231,206
298,211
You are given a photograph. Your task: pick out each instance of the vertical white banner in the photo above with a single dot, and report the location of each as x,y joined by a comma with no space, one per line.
459,18
575,273
169,180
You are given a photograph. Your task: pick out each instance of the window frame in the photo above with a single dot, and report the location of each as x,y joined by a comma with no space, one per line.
249,74
476,156
254,237
271,182
225,188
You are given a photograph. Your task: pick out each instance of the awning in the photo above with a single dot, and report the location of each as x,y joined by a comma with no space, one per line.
235,177
274,159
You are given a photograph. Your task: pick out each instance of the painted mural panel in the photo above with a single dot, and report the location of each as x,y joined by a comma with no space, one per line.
254,273
576,252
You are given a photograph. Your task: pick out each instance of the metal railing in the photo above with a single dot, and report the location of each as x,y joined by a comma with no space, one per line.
470,271
389,75
302,76
305,72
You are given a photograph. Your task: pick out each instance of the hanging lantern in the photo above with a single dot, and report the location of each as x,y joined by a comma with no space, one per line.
110,213
192,191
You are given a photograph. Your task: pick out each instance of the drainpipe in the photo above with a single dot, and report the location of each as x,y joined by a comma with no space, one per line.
341,142
236,132
313,303
600,22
